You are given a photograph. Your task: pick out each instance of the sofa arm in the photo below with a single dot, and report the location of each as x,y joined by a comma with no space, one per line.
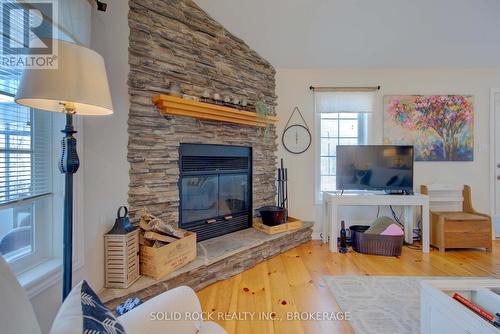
166,313
209,327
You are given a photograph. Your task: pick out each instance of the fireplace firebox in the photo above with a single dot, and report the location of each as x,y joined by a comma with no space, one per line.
215,189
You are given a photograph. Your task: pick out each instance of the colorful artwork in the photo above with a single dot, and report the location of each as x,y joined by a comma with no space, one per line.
439,126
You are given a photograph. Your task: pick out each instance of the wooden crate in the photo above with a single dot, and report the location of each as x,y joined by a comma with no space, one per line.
158,262
121,253
293,224
460,230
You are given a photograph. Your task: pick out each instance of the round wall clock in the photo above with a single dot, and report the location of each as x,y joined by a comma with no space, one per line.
296,138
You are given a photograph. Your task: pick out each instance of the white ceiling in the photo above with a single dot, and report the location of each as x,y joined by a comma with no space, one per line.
365,33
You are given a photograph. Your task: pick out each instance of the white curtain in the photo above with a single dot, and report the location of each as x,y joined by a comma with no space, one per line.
73,20
344,102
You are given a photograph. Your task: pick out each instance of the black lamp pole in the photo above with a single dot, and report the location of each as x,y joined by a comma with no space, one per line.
77,85
68,165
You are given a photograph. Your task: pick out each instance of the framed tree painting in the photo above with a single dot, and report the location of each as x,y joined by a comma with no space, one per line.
439,126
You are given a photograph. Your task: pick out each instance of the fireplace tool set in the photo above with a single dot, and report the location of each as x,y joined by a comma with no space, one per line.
277,214
283,187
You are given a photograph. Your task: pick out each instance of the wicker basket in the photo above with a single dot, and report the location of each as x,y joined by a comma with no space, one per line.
375,244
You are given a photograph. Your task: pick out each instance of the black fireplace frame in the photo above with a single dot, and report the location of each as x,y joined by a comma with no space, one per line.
219,225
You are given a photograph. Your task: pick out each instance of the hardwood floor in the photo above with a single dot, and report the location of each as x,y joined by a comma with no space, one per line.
293,282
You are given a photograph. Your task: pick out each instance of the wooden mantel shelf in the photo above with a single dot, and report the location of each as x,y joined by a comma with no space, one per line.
173,105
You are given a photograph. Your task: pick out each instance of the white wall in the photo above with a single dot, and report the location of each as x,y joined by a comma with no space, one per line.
293,90
105,140
363,33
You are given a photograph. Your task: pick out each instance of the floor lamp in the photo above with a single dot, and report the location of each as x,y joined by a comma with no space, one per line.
79,86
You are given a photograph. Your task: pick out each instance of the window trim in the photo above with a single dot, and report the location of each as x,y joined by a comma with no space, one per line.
318,195
35,280
23,200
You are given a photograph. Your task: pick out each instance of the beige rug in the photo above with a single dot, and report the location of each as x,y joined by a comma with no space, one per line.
380,304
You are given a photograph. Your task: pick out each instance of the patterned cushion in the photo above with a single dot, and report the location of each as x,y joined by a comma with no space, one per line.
83,313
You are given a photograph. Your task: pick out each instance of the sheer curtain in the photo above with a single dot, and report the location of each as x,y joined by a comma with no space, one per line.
344,102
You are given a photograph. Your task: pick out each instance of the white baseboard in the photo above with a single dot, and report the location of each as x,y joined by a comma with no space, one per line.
316,236
496,228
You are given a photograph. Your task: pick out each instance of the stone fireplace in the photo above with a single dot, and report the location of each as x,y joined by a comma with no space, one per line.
215,189
176,43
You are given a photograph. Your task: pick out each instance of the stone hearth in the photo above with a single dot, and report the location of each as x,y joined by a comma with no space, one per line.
218,259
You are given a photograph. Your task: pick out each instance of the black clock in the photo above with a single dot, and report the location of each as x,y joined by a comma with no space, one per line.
296,138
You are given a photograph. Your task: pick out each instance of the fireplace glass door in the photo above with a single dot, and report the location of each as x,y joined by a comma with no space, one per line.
200,199
206,197
233,189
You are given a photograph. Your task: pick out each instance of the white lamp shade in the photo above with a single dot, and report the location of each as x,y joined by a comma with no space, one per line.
80,79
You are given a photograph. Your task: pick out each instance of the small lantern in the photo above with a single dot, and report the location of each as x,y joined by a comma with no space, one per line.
121,247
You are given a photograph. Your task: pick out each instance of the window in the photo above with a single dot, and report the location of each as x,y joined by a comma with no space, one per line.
25,178
341,119
338,129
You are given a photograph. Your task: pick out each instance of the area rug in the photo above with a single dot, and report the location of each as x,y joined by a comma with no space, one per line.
380,304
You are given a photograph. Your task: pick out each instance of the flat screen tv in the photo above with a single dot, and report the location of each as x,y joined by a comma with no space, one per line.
375,167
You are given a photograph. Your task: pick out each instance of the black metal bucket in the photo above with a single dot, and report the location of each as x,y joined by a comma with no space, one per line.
272,215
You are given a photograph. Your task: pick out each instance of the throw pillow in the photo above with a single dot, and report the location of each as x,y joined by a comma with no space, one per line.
393,229
83,313
380,224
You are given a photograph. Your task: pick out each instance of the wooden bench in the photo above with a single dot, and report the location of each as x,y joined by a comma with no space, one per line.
460,228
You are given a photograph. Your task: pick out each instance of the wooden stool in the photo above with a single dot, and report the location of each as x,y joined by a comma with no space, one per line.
458,229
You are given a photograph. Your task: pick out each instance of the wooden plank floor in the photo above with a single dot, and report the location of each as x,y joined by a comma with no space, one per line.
293,282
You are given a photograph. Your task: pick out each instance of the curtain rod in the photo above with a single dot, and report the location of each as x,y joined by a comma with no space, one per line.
344,89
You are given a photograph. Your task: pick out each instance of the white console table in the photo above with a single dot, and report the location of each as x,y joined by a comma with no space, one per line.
332,201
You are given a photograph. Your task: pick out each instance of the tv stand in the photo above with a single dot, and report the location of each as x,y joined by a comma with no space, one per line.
398,192
332,201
